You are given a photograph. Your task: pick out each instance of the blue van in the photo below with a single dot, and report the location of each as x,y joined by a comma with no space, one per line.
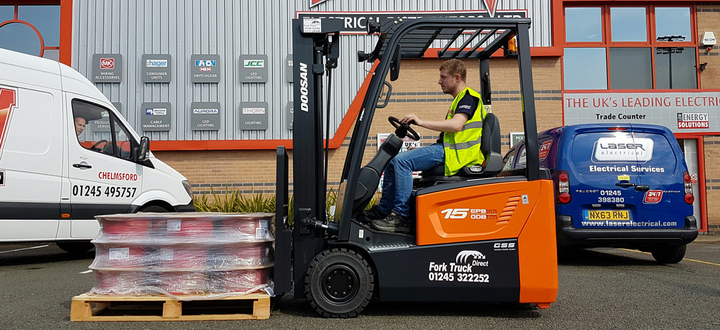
619,185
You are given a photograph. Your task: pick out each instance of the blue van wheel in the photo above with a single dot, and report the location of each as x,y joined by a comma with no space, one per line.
669,254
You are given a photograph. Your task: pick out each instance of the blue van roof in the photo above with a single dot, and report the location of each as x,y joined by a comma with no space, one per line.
600,126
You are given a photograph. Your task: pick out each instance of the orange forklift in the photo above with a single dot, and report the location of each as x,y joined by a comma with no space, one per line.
483,235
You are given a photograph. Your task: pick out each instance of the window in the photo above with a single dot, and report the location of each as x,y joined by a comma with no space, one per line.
628,24
585,68
629,47
631,68
31,29
583,24
508,160
673,21
97,129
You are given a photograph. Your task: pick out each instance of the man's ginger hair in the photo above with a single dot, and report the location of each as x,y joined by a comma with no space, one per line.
454,67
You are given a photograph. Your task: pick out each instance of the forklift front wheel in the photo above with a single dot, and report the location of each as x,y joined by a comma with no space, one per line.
339,283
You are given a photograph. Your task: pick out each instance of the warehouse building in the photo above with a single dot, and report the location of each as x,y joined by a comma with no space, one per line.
220,71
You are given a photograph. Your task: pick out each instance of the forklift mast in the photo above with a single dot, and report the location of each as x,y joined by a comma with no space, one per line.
315,52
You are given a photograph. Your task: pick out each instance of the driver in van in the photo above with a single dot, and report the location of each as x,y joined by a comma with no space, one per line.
455,147
80,123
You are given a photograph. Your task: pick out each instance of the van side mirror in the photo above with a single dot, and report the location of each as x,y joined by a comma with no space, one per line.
143,151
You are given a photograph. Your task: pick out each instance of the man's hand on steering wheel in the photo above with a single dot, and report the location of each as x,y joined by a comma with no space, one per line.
403,129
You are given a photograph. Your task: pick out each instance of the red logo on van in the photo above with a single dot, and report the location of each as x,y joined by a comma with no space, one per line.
545,149
107,63
7,104
653,197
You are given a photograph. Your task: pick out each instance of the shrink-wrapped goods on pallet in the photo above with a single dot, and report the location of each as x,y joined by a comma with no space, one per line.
183,254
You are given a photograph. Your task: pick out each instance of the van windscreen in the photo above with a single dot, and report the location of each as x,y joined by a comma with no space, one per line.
622,152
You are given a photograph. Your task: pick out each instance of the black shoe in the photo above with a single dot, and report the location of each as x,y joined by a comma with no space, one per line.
373,213
393,223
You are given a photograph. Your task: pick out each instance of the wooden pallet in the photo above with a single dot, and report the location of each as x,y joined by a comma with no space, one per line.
90,307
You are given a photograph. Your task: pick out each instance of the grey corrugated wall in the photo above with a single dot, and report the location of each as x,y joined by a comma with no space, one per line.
230,29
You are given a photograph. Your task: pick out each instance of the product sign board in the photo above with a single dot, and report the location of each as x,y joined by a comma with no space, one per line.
289,68
205,68
254,69
100,125
205,116
681,112
290,111
516,137
356,22
155,116
156,68
253,116
107,68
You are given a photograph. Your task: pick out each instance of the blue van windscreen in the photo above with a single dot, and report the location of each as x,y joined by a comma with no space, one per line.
662,159
615,153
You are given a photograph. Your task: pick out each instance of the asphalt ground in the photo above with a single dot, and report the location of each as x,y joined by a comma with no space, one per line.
598,289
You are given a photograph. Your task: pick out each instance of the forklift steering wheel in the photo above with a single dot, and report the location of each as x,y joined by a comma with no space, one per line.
403,130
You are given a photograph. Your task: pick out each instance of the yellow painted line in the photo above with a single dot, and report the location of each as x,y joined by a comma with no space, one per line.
698,261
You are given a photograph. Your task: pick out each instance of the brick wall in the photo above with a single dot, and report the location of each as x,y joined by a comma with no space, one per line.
708,19
417,91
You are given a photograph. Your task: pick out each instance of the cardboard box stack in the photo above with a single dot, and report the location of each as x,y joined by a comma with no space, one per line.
183,253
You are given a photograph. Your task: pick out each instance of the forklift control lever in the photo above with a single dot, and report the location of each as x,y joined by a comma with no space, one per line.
387,95
331,227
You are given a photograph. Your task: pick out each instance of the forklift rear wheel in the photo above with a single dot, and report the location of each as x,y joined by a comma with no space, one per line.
339,283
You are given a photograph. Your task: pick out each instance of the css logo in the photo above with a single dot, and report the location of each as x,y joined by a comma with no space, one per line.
107,63
254,63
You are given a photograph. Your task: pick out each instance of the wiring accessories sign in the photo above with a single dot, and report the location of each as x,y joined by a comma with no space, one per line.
107,68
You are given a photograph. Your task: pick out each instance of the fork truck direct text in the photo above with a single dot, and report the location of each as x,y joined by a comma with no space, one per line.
482,236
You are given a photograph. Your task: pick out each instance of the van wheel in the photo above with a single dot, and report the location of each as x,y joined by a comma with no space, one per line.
339,283
153,208
75,247
669,254
567,253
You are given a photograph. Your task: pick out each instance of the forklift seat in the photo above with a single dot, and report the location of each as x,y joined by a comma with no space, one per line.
491,166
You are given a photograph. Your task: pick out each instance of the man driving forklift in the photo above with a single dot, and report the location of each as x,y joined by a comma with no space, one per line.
457,146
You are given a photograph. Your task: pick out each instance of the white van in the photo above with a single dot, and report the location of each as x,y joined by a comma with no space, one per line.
66,155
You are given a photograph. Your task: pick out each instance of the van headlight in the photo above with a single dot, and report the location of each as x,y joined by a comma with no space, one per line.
188,188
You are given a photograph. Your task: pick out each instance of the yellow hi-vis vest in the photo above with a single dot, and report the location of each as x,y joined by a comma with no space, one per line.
463,148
